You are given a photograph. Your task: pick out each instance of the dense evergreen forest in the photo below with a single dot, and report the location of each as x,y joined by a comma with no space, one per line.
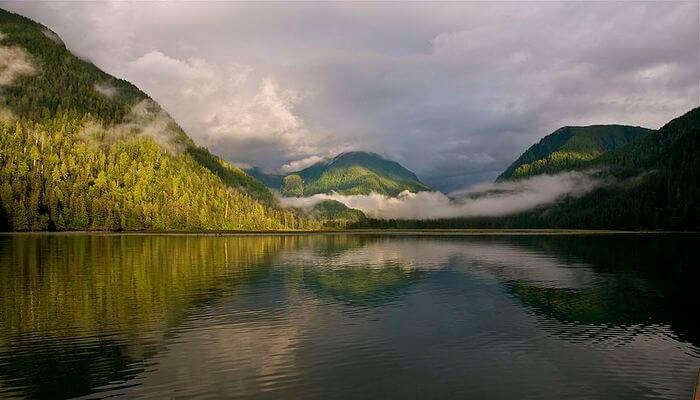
51,179
335,214
82,150
571,147
655,184
355,172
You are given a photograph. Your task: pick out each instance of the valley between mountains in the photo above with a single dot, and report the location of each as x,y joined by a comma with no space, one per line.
83,150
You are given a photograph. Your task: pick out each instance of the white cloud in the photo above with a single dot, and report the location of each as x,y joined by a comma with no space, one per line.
269,114
298,165
228,106
146,119
14,62
493,199
105,89
454,91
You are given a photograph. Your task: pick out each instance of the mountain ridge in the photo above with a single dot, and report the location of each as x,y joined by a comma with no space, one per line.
83,150
649,183
351,172
570,147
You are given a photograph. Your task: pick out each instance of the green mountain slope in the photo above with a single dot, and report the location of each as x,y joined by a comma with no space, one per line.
80,149
336,214
656,184
571,147
348,173
650,183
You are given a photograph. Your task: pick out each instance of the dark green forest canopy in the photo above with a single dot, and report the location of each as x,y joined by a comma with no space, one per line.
80,149
272,181
571,147
654,184
336,214
63,83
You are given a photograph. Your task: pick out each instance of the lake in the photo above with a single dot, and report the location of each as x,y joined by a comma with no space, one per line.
349,316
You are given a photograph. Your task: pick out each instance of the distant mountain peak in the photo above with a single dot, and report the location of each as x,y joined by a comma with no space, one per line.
350,172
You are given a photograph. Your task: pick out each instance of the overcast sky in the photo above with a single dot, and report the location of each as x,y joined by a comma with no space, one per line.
453,91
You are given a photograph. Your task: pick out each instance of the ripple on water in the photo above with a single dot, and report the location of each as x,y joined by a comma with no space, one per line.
346,317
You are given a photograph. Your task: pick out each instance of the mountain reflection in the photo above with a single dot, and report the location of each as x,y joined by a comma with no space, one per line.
373,272
159,316
605,280
82,311
639,280
357,284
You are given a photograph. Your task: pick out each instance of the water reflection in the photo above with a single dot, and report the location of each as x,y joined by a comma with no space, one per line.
79,312
638,281
345,316
373,272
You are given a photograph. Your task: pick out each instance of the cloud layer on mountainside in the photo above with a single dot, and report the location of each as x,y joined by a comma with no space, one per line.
494,199
453,91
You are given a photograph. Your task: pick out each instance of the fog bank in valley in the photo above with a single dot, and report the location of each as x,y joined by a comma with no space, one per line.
487,200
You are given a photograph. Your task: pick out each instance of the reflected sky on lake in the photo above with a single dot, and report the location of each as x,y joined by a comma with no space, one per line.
348,316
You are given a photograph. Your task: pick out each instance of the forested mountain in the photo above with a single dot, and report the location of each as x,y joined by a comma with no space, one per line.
81,149
652,182
348,173
335,214
571,147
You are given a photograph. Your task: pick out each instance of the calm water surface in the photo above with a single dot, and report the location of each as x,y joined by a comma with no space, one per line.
326,317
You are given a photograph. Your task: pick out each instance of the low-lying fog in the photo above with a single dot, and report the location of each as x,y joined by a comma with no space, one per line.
487,199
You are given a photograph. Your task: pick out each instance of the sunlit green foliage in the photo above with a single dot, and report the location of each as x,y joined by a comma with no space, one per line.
569,148
360,173
352,173
292,186
82,150
50,178
336,214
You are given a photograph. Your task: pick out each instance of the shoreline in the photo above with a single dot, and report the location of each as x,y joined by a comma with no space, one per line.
369,232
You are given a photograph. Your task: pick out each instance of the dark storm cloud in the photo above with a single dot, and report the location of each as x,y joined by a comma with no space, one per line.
453,91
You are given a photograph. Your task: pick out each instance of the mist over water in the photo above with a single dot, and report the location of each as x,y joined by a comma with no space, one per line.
348,316
488,199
